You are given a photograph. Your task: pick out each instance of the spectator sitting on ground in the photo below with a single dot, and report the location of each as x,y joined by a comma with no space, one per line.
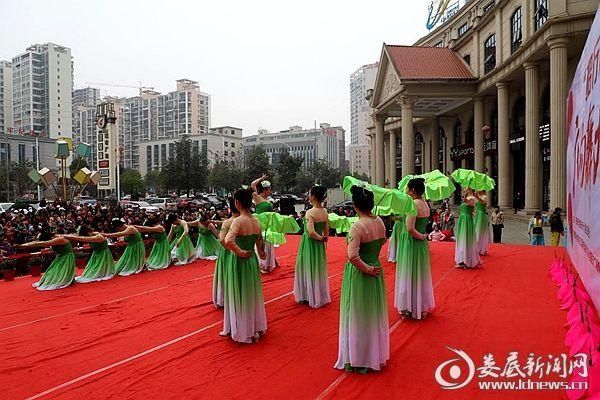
436,235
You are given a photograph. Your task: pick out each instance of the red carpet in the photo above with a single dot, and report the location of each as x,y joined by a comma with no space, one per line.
155,335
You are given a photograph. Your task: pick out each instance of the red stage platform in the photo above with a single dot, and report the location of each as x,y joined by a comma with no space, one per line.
155,335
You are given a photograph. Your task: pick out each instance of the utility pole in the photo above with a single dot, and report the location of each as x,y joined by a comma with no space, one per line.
6,154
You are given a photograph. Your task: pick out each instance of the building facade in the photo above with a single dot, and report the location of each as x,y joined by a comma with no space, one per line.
22,149
361,81
42,90
86,97
219,144
6,112
324,143
485,90
360,159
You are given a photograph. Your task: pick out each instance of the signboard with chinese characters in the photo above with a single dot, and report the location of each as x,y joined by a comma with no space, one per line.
439,11
583,165
106,143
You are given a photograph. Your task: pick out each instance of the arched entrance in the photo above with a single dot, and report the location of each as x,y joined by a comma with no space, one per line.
517,149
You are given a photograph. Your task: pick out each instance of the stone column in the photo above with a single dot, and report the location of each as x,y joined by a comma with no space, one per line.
379,156
532,138
558,126
505,191
371,157
435,144
386,152
478,133
408,136
393,178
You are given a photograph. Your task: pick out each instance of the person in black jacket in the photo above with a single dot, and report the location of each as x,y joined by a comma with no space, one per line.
557,228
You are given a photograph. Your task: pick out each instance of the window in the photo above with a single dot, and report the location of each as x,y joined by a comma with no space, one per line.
467,59
439,44
489,53
463,29
21,154
225,144
516,30
232,144
489,6
541,13
33,153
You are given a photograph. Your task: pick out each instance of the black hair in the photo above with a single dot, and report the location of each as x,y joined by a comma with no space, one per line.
232,206
84,230
151,221
244,196
117,223
203,217
362,198
538,214
417,185
259,188
45,232
319,192
171,218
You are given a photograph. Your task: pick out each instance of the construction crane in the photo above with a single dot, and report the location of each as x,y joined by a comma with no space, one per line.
140,87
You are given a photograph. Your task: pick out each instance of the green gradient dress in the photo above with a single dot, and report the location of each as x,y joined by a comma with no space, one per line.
185,252
134,257
219,275
311,282
395,239
466,251
61,272
100,266
208,245
269,263
482,228
364,326
243,303
160,256
414,291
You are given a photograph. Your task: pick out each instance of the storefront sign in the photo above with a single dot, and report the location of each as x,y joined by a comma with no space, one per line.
490,147
583,166
461,152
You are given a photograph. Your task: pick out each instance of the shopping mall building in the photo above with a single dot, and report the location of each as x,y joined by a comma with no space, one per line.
486,90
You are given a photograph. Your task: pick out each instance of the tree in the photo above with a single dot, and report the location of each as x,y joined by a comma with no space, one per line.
286,172
20,183
362,177
256,163
199,171
132,182
77,164
224,175
154,181
325,175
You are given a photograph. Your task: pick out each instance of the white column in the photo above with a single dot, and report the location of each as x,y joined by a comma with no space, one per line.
378,156
477,133
408,136
435,144
371,157
504,189
558,127
532,138
393,179
386,152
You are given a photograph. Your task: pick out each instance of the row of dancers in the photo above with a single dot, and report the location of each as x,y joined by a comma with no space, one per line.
363,326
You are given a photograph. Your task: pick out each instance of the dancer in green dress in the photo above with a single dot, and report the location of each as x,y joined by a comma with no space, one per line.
262,190
61,272
244,315
414,290
133,258
100,265
466,251
311,282
160,255
395,238
223,258
207,247
182,247
482,223
364,327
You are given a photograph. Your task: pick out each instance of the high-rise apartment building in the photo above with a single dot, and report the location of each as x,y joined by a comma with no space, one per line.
42,90
6,112
323,143
361,81
86,97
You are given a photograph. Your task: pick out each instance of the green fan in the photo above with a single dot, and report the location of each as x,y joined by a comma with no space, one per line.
473,179
341,223
437,185
387,201
275,226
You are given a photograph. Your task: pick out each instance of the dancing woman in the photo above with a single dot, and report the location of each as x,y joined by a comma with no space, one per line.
395,238
244,316
160,255
466,251
261,191
414,291
364,327
133,258
482,223
182,247
101,265
311,283
208,246
61,272
223,258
